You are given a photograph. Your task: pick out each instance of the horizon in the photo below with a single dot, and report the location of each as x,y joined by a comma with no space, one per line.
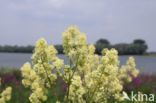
24,22
88,43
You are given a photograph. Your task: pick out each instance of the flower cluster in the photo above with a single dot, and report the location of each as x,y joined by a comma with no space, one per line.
40,77
5,95
128,71
90,78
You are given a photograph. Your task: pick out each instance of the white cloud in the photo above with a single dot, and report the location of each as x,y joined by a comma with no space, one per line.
56,3
111,19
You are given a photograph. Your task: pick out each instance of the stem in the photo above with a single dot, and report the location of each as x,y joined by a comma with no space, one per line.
71,76
69,80
47,76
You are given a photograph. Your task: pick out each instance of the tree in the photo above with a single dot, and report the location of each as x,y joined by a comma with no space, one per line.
140,45
101,44
103,41
139,41
59,48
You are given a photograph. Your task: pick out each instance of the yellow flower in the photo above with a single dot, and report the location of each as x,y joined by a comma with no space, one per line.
91,49
90,78
2,100
52,51
58,63
6,95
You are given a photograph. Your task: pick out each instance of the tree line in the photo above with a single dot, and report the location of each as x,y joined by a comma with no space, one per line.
138,46
25,49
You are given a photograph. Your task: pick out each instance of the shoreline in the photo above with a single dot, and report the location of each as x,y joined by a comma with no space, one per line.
152,54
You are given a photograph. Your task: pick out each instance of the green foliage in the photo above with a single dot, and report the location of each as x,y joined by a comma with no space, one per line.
101,44
59,48
138,47
25,49
20,94
103,41
139,41
16,49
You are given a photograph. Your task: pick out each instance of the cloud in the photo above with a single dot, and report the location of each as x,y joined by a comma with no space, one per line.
111,19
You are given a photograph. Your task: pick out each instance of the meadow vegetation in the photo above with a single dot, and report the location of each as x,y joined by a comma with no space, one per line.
88,78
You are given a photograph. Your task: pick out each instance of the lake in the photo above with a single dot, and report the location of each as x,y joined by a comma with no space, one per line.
145,64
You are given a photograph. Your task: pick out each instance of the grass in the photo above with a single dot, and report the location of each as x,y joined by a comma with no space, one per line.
20,94
144,83
150,54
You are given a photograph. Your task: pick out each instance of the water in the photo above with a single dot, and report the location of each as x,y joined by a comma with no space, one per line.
145,64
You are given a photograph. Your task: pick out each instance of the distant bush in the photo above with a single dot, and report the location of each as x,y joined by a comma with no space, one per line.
16,49
25,49
137,47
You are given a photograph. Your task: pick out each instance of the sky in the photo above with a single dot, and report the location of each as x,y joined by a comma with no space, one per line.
23,22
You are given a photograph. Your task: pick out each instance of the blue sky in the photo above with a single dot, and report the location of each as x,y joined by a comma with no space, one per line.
22,22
